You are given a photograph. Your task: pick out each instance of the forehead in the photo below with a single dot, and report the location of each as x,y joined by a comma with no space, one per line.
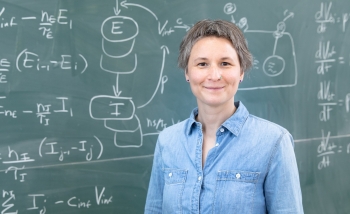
214,46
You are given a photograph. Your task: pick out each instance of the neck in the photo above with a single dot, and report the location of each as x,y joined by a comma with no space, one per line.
211,118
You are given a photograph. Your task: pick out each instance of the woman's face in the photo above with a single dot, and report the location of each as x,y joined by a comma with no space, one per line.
212,58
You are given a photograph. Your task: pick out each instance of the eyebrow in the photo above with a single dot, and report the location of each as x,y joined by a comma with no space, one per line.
226,58
204,58
200,59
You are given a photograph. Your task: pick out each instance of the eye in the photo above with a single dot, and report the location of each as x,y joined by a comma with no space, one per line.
225,64
202,64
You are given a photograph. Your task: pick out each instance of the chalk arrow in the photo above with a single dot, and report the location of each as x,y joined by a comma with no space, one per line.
116,8
290,15
115,88
183,27
125,4
165,52
116,92
165,49
160,29
187,27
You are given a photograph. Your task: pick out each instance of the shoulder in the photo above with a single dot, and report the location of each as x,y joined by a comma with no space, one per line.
253,126
266,124
268,129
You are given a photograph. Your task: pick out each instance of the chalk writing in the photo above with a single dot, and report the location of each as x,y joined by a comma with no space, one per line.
53,148
46,21
41,110
325,17
326,58
8,204
27,60
39,200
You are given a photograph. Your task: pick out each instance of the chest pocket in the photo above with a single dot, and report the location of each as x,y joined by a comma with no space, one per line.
173,189
234,191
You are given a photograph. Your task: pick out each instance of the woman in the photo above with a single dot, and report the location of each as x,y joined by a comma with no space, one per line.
222,159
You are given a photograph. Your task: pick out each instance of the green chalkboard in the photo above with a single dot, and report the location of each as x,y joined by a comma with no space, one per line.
86,86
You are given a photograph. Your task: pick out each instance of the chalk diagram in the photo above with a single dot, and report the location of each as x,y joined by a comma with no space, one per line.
119,34
270,69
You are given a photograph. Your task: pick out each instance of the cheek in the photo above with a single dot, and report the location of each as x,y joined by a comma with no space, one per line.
234,79
195,78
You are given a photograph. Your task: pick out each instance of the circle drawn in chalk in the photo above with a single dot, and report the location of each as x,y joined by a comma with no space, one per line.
281,27
273,65
230,8
119,29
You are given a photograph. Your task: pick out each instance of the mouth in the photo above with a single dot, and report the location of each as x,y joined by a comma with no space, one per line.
215,88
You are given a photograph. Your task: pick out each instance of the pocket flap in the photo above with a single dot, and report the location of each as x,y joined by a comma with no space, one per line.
236,175
175,176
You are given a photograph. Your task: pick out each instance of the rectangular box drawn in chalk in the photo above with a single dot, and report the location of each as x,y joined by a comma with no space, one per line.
105,107
274,61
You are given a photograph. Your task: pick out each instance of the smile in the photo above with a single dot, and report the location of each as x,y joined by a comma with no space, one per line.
214,87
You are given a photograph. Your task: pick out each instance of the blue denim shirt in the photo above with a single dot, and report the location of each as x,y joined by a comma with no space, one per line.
252,169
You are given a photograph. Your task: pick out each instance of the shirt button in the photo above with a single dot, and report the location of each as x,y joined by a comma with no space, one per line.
170,174
238,176
222,130
217,144
199,178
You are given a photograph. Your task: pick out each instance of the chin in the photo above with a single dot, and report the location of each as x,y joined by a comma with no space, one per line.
213,103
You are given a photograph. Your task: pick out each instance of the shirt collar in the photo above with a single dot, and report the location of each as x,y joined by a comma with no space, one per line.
234,123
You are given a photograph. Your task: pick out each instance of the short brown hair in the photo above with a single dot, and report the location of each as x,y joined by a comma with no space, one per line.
218,28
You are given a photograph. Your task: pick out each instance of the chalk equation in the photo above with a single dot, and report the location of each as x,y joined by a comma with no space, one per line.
328,147
326,16
40,110
325,57
328,102
328,60
15,159
40,201
28,61
46,23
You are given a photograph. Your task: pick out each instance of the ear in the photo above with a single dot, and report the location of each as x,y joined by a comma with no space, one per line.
186,74
242,75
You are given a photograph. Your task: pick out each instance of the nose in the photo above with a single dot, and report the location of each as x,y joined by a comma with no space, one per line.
215,73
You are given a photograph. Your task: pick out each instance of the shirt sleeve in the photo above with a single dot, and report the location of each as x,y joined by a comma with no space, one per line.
154,199
282,186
